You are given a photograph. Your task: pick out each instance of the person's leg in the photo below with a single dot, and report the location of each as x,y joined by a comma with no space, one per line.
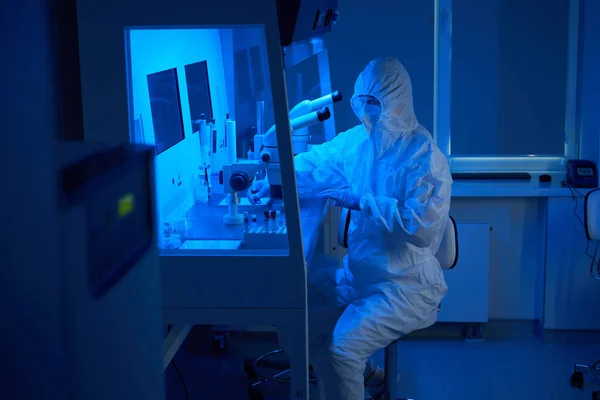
365,326
328,294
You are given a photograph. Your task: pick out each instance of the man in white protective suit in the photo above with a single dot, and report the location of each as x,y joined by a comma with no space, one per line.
396,181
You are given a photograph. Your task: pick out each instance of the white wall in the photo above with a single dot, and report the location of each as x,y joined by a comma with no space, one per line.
157,50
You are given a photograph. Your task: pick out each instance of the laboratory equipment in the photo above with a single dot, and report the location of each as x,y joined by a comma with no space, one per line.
204,136
82,306
237,177
260,113
266,221
230,140
201,186
218,275
110,272
215,143
582,174
303,114
272,225
246,221
254,226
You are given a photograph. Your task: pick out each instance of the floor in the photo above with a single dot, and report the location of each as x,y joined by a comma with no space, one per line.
430,368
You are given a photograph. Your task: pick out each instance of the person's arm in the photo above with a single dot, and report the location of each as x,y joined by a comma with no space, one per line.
323,166
423,211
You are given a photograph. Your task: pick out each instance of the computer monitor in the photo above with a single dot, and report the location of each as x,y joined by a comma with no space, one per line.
165,105
198,87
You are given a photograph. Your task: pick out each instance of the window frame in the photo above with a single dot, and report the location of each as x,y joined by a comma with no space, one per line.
442,102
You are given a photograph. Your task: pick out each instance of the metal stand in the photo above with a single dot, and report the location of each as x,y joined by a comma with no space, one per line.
391,371
252,370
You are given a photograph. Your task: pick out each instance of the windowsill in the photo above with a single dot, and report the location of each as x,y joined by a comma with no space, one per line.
532,188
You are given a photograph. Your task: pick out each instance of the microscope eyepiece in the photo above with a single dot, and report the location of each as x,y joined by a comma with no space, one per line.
336,96
324,114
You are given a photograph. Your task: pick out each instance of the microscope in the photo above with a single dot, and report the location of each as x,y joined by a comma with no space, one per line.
239,175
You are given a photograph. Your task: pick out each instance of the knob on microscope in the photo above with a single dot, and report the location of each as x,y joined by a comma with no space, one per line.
239,181
265,156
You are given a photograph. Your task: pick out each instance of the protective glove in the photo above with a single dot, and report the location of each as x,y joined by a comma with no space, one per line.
342,198
383,210
258,190
368,205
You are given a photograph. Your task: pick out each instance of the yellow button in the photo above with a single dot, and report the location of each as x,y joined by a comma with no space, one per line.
126,205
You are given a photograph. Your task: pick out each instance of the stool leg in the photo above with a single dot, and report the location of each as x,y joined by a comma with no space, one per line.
391,371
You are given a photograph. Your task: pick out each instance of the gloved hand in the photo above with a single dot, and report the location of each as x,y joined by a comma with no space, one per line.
367,204
342,198
258,190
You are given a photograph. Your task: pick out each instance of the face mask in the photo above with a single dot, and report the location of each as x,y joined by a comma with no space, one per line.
370,116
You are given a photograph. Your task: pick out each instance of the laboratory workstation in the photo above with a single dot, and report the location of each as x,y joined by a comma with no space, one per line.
302,199
226,99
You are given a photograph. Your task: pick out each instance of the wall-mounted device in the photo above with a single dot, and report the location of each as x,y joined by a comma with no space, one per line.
582,174
304,19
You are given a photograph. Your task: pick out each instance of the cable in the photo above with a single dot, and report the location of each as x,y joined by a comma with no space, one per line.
574,196
177,370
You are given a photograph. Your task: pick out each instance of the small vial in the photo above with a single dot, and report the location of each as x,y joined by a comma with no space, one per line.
266,222
246,222
282,217
277,220
272,219
254,226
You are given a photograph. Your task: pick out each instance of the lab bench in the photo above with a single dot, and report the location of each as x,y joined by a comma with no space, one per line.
252,288
537,250
517,188
205,223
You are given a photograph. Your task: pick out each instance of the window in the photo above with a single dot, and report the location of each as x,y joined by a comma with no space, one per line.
165,106
505,83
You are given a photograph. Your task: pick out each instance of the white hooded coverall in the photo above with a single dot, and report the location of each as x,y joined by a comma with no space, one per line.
390,284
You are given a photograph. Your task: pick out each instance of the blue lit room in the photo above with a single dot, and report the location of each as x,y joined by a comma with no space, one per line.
307,199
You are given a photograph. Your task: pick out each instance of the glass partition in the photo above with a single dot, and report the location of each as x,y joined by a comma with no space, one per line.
202,178
226,139
309,88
